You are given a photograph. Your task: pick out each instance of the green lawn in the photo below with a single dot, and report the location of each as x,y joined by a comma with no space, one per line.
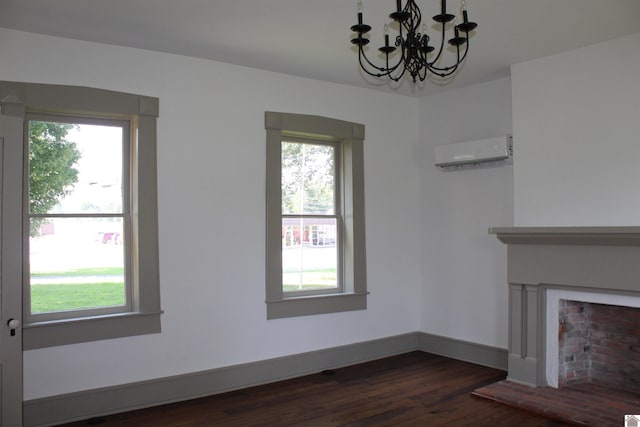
63,295
60,297
311,280
46,298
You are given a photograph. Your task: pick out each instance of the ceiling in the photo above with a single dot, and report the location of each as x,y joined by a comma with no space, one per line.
311,38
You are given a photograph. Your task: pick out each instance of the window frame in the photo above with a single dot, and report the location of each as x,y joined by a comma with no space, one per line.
349,138
144,317
128,159
337,214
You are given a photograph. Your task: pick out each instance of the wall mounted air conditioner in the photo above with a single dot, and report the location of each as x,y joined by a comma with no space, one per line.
474,152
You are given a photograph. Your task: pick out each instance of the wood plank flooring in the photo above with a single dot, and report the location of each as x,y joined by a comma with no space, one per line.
413,389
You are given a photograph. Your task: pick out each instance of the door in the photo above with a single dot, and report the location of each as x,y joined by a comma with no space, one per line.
11,244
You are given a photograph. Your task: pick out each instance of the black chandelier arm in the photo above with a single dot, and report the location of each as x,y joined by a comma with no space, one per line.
379,71
441,49
385,70
449,70
365,68
399,76
444,71
391,70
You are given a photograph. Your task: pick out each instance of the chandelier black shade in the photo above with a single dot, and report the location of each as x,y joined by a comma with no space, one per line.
416,53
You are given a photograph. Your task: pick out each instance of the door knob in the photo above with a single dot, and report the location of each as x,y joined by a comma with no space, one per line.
13,325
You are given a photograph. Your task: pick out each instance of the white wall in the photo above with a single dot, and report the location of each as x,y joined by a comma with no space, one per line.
463,291
211,158
576,119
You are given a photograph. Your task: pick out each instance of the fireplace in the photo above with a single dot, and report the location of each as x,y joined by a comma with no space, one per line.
598,339
561,280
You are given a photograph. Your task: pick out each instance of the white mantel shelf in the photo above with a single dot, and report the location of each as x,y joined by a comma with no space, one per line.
608,236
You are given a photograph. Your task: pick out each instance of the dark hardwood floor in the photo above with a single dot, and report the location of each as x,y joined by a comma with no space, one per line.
413,389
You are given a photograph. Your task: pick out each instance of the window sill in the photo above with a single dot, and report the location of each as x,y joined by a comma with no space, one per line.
316,304
73,331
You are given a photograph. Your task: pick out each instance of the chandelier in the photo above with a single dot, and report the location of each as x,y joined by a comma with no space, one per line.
416,53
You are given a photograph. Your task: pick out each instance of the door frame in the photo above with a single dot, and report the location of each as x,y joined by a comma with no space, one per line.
11,246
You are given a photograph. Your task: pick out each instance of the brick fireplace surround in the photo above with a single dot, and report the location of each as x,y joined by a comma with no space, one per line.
560,280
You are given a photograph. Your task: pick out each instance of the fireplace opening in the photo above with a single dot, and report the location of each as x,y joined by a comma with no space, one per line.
599,343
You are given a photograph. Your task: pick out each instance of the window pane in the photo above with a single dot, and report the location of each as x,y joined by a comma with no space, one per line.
309,254
308,179
77,263
74,168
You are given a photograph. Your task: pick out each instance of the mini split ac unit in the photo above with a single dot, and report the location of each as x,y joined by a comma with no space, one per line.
474,152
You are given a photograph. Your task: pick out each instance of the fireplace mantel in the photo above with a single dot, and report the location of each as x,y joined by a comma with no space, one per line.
603,260
625,236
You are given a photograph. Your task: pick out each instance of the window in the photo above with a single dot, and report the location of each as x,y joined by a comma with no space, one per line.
77,214
90,256
310,217
315,216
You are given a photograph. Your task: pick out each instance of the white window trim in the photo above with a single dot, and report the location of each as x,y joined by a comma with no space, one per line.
350,138
142,111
